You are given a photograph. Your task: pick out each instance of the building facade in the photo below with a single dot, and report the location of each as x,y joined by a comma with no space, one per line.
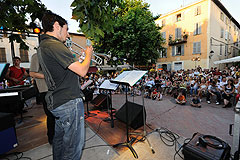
197,35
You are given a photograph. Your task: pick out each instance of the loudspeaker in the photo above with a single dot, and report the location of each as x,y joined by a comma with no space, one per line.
8,137
206,147
101,101
135,114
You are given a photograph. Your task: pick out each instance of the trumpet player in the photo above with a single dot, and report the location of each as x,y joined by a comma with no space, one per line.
64,98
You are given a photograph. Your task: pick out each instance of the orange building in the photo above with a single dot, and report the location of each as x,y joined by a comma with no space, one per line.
197,35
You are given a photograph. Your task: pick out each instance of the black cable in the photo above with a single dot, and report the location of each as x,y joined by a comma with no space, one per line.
18,157
101,145
95,132
45,157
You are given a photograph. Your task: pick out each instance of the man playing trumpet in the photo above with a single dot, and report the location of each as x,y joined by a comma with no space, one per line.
64,98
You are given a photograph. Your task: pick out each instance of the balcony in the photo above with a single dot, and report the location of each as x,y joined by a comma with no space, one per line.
172,42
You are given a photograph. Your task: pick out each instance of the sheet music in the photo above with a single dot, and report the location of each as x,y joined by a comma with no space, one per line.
108,85
86,84
130,77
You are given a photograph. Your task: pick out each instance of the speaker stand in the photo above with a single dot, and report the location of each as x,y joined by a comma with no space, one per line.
109,106
129,141
144,133
88,114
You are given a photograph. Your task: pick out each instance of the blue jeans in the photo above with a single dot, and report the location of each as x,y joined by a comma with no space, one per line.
69,137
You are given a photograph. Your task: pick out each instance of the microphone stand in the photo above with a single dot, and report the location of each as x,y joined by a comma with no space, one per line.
144,133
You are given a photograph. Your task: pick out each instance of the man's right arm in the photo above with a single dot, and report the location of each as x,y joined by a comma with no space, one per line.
82,68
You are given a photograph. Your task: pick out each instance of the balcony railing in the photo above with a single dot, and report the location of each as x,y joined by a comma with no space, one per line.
177,41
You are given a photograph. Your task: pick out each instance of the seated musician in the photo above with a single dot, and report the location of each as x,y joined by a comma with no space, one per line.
16,74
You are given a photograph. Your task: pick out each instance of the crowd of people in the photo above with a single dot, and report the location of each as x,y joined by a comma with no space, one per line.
198,84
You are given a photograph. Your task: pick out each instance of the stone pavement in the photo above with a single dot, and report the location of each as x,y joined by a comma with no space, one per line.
181,119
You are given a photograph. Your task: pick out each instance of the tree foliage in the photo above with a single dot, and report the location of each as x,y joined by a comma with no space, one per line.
16,13
136,36
95,17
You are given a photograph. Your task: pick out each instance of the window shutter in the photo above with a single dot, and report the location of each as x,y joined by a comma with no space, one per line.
169,66
179,33
176,33
165,52
199,28
182,16
194,48
173,50
195,29
199,9
199,47
182,49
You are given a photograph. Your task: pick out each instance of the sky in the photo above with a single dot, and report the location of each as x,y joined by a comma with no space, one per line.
62,8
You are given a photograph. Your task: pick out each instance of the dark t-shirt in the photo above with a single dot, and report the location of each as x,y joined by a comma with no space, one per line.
195,101
57,58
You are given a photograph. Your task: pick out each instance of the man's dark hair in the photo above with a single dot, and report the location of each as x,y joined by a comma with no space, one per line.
48,20
17,58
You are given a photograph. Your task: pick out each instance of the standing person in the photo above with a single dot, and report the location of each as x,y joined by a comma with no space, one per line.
16,74
64,97
36,72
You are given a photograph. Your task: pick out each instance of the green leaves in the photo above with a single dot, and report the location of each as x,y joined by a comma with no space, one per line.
135,36
95,17
14,15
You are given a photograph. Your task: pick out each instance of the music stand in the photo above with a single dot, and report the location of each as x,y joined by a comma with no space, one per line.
128,78
107,85
83,87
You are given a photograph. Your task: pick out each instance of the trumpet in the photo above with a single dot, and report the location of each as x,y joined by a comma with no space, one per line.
70,43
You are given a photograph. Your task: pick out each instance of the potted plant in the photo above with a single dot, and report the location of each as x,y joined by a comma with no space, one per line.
185,36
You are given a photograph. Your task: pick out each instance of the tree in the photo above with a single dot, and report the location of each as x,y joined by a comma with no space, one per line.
95,17
14,17
136,36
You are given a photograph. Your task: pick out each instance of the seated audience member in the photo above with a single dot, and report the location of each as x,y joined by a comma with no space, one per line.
16,74
202,88
195,101
213,90
154,94
181,99
228,90
159,96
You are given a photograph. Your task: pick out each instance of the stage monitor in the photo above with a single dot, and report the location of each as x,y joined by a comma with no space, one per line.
3,70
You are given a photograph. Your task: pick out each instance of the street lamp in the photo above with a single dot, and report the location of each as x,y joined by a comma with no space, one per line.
195,60
211,54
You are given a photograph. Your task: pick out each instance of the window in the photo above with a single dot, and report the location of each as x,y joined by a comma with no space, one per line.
198,10
221,46
24,55
197,28
163,22
197,47
163,53
226,49
222,16
179,17
178,33
226,35
178,50
226,20
3,55
222,33
164,35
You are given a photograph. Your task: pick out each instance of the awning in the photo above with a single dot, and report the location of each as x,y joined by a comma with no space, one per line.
229,60
92,69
